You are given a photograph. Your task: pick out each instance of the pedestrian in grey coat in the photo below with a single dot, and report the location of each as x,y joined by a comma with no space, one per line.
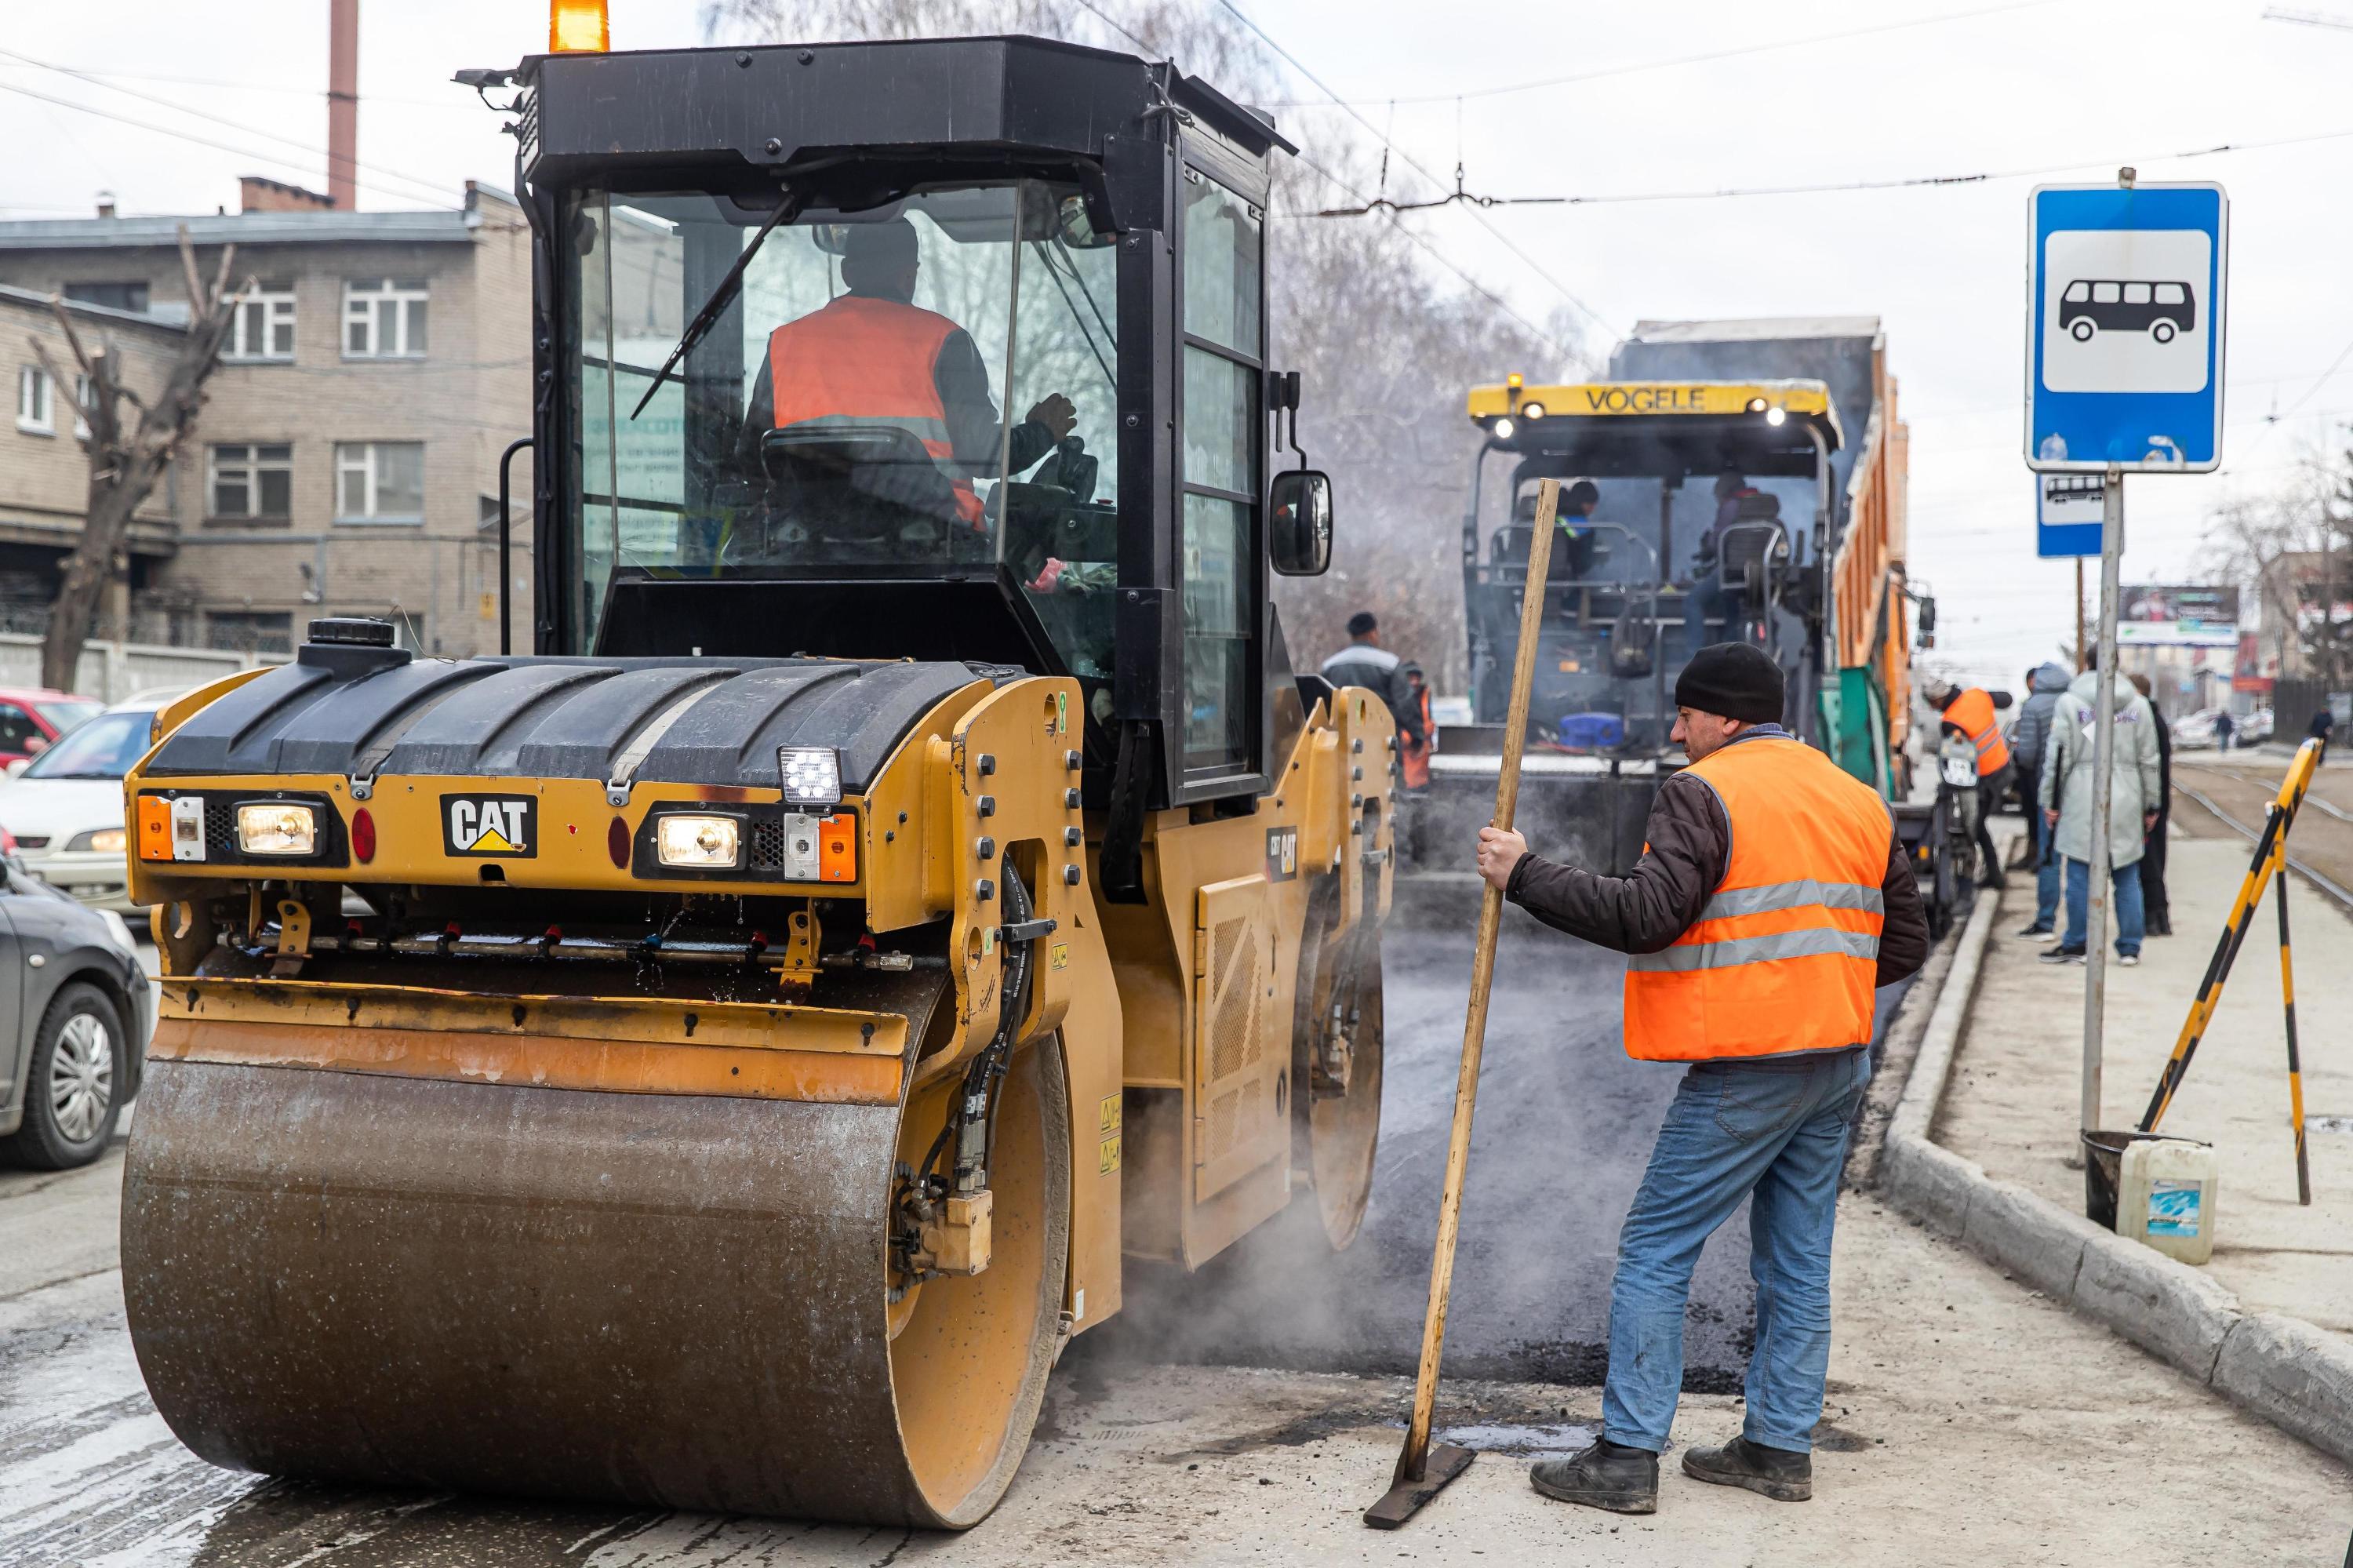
2065,795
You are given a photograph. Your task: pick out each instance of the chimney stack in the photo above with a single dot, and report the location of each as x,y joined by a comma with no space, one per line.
106,204
343,104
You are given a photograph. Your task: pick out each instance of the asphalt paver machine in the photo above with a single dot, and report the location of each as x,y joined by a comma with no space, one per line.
719,1058
1742,482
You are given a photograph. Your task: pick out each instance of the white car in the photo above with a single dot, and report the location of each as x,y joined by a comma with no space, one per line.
64,809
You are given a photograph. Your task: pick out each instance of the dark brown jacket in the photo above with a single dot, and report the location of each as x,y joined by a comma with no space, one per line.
1690,846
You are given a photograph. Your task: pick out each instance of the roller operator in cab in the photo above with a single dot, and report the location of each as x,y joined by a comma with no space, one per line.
870,362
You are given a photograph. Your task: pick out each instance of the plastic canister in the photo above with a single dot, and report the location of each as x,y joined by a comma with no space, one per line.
2165,1196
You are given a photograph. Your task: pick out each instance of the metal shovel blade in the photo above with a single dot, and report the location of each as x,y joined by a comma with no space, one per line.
1404,1500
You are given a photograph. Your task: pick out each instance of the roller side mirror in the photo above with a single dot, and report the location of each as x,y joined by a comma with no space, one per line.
1299,507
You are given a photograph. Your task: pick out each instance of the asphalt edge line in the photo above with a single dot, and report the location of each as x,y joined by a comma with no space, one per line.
2293,1374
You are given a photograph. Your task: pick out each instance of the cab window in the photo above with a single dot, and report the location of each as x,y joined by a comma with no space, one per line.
2077,292
1223,372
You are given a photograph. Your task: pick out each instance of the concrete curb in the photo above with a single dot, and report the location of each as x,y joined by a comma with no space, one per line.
2282,1369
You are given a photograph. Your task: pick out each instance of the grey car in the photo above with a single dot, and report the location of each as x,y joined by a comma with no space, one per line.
75,1012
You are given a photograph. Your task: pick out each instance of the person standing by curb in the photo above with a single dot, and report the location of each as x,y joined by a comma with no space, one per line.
2157,909
2065,796
1772,899
2028,737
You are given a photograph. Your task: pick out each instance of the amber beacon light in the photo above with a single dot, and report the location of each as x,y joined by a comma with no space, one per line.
577,27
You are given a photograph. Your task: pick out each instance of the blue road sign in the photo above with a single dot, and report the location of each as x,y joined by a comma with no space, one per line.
2123,315
2068,520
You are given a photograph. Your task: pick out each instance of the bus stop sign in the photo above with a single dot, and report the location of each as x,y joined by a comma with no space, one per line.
2068,521
2124,327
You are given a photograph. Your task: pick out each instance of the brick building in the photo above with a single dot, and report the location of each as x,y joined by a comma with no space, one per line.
346,461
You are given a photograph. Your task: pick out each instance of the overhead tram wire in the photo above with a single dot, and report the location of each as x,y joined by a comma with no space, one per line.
279,159
1407,158
1831,188
232,124
1418,242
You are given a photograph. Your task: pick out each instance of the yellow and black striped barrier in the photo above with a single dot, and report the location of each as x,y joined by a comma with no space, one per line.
2267,867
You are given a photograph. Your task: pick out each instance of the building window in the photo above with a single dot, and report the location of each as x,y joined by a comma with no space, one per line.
33,413
251,631
380,481
85,399
384,319
250,481
263,327
132,297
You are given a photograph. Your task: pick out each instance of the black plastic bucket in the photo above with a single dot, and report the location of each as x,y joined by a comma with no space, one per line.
2103,1161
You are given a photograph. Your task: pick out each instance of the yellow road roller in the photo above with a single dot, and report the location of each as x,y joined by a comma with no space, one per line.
718,1059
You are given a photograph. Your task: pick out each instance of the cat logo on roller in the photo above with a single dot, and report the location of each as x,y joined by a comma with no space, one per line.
505,825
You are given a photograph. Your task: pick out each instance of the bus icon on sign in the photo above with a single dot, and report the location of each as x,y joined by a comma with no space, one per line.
2161,310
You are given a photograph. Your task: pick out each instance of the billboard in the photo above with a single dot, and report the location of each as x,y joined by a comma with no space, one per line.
2169,615
2253,671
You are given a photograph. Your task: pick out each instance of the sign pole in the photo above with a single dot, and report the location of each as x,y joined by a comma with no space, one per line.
2104,752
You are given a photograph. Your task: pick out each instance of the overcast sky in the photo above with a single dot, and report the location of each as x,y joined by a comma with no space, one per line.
1856,91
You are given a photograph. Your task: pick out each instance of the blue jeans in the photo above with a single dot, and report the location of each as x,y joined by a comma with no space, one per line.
2046,871
1778,1139
2124,903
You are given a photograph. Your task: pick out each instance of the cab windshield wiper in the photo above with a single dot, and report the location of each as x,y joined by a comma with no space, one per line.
721,297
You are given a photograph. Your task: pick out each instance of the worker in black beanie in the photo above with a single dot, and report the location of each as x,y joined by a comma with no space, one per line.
1772,899
1735,680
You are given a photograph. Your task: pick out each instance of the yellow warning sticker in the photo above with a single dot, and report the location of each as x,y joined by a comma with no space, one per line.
1107,1114
1061,957
1107,1156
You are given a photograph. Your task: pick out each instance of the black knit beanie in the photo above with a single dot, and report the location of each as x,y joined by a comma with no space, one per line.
1735,680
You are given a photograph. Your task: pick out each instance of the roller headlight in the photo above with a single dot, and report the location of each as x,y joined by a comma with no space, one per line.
1776,416
811,776
275,827
1503,429
702,842
1532,410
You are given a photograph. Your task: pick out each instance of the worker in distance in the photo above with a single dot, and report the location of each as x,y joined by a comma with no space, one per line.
1771,900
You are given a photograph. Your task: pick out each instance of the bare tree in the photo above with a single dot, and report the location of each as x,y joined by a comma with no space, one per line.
2287,547
1387,345
126,461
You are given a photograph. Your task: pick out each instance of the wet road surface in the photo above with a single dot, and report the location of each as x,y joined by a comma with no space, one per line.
90,1476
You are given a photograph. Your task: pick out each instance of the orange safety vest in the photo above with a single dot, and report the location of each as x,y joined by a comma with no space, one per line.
1413,758
1784,954
863,361
1972,714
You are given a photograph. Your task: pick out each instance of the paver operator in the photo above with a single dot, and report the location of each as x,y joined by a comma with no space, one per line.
1772,899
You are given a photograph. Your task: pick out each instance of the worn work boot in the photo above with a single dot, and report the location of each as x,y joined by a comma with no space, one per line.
1775,1473
1608,1475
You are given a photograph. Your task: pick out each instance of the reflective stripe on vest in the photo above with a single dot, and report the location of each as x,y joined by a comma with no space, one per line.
1784,954
864,361
1972,712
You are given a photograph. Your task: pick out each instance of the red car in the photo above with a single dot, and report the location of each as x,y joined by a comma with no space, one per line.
31,719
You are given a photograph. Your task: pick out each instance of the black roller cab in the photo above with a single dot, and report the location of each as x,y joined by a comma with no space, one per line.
1082,238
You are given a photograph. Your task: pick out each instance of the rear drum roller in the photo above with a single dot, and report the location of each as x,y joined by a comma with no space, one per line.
1335,1127
1344,1129
678,1300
